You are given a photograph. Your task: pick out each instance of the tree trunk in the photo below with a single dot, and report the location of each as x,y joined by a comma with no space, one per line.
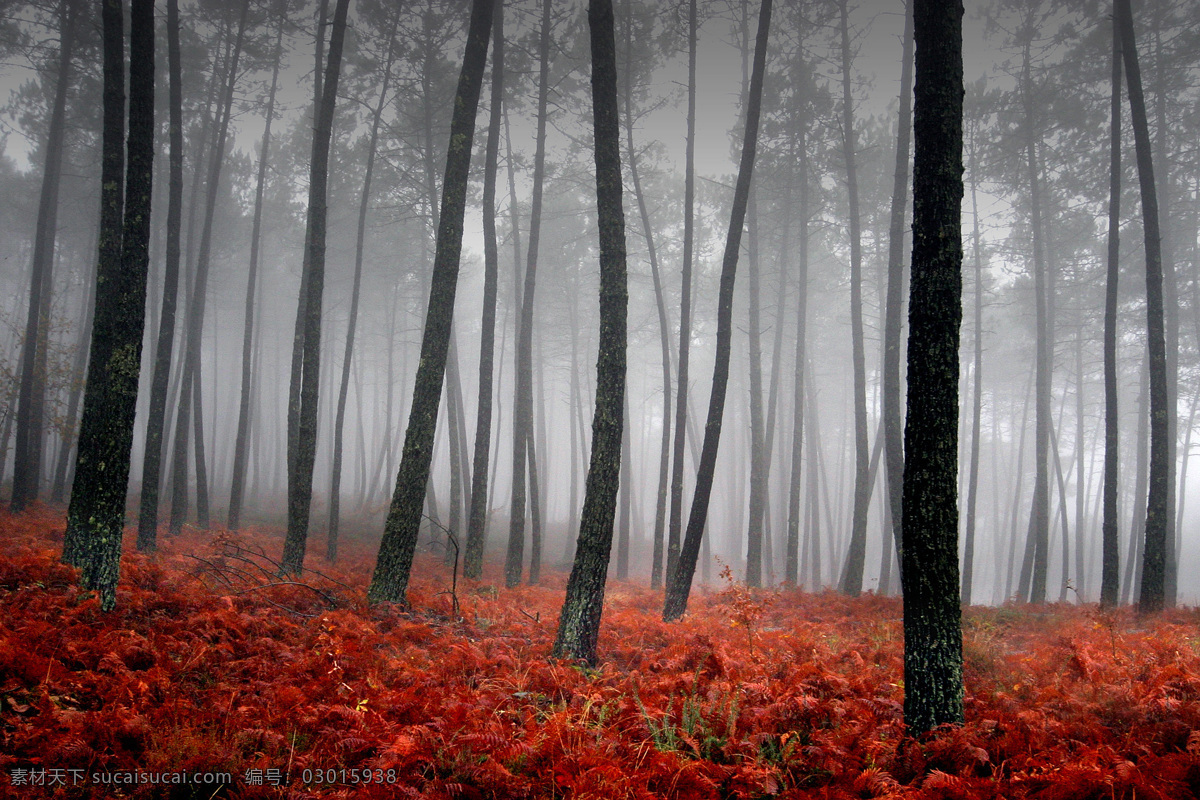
664,456
364,205
27,457
680,580
792,559
893,424
675,520
241,448
306,346
523,383
390,580
1033,580
1152,597
579,622
933,677
96,515
852,574
189,393
477,517
968,561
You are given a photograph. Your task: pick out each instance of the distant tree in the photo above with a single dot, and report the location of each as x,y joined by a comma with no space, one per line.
390,580
96,515
523,382
1158,512
933,679
241,445
852,572
579,623
306,345
27,460
679,582
339,420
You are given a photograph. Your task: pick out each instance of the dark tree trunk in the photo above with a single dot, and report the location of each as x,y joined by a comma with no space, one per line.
390,580
151,463
1158,511
933,678
852,574
364,205
306,345
579,622
523,376
675,519
241,447
477,516
893,423
58,492
27,457
679,583
96,515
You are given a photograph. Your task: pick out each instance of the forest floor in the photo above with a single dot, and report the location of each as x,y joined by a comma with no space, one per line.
205,673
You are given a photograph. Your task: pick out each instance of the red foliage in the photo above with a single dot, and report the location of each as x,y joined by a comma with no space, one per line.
754,694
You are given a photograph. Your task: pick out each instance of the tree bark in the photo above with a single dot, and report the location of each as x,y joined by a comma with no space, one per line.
390,580
1152,597
579,622
680,580
96,515
933,678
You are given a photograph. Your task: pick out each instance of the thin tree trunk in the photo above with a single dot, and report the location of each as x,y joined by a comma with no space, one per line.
792,563
331,548
675,519
968,562
190,393
477,516
306,346
1033,580
852,574
523,376
1110,564
664,457
241,449
680,580
893,426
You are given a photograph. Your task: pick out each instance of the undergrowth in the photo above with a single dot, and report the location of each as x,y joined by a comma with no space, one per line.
300,689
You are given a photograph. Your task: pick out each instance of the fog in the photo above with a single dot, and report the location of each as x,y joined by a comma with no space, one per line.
1056,56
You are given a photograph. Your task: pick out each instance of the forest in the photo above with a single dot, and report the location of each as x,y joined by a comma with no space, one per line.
685,398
